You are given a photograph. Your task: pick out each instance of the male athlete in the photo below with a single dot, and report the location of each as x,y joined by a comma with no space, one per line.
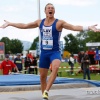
50,30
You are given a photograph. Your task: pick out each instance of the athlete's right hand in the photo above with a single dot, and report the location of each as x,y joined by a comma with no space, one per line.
6,24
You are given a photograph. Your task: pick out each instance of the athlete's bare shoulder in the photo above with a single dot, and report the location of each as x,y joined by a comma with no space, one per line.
59,25
61,22
66,25
39,21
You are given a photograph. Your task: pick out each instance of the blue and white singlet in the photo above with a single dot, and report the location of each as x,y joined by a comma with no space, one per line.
50,37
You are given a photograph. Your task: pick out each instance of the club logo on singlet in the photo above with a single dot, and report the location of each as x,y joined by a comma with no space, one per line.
47,39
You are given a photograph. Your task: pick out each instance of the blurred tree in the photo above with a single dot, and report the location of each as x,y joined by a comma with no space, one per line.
85,37
82,40
71,44
33,46
93,37
16,46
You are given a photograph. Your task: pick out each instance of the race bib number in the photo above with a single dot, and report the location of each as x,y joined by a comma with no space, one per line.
47,43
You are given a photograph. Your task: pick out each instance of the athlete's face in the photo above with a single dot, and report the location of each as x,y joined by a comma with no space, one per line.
49,11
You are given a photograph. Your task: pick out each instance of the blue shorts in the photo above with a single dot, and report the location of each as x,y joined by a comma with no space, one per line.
46,58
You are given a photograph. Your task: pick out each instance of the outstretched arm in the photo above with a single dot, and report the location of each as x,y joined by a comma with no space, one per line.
21,25
79,28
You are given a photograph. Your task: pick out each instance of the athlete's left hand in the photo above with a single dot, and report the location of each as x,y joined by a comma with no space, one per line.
93,28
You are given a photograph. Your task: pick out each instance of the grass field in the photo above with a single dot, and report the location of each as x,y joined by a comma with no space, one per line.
63,73
94,76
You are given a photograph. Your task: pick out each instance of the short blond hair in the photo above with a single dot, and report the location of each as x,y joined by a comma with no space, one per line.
48,4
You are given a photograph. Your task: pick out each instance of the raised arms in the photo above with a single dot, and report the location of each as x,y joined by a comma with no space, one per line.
61,24
21,25
79,28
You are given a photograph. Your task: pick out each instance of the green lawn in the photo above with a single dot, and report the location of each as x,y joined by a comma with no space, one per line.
94,76
0,72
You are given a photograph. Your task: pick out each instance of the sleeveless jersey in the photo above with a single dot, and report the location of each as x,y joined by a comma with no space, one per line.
49,37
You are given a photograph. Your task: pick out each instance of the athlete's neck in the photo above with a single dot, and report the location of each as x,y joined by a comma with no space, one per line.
48,20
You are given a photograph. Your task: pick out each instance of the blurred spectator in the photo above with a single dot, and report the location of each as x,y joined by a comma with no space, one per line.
18,62
86,63
30,55
7,66
71,59
80,56
33,68
27,63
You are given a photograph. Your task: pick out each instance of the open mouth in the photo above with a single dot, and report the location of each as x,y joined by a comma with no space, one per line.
50,12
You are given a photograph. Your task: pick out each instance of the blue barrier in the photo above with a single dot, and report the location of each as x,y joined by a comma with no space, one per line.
30,79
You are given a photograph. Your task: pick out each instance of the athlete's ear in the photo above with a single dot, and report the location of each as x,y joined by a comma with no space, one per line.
45,11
